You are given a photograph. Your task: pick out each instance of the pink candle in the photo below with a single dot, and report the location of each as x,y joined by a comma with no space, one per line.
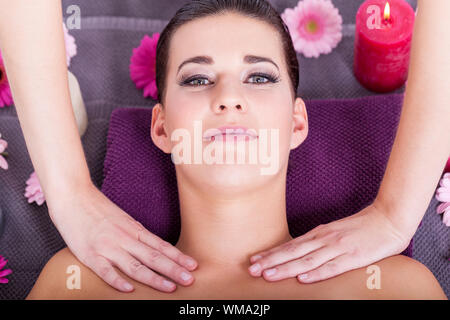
383,35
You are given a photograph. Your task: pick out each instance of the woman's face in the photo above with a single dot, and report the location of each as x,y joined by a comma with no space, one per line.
242,80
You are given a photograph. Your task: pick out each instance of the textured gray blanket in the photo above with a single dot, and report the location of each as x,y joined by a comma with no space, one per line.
109,31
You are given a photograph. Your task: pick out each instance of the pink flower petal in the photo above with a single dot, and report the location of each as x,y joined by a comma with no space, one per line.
33,191
443,190
32,198
5,272
5,91
445,181
442,207
446,218
3,263
442,196
3,163
71,47
3,145
5,95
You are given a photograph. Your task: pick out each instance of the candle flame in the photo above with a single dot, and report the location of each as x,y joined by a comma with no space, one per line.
387,11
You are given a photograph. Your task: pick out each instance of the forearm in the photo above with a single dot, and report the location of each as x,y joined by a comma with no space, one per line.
422,143
32,44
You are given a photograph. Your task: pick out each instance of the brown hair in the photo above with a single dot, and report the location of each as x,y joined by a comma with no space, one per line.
195,9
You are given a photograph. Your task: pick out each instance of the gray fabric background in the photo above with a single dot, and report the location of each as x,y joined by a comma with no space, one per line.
109,31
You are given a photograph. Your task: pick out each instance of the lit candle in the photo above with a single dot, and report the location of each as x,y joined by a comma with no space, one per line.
383,35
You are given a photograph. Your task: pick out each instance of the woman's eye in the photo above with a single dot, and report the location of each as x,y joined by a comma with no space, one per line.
259,79
196,82
263,78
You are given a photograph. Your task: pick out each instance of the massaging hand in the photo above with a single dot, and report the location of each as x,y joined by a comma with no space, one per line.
334,248
101,235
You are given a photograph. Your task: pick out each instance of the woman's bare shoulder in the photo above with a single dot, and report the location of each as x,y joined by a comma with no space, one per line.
401,277
396,277
65,277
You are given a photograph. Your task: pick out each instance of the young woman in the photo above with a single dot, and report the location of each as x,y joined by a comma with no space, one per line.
232,65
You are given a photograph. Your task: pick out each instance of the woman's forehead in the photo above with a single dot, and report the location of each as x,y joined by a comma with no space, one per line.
226,38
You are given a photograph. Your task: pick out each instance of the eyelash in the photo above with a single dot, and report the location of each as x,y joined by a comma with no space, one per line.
272,78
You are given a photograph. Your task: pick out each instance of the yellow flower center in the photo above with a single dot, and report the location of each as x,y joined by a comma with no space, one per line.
311,26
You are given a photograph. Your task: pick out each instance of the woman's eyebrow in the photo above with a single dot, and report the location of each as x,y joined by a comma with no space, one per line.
250,59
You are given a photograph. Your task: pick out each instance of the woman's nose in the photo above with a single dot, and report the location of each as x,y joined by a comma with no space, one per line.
229,99
224,107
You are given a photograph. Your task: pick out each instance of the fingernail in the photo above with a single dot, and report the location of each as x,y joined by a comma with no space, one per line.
185,276
191,263
127,286
255,268
255,258
303,276
270,272
168,284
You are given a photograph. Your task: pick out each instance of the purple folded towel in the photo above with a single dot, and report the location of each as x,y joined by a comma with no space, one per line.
335,173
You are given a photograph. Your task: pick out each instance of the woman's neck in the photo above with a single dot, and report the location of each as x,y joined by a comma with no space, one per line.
223,230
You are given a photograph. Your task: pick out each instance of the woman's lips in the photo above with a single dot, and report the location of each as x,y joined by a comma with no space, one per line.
230,133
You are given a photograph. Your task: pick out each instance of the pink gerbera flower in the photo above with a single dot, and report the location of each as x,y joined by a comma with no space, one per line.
3,153
443,195
4,273
143,65
315,27
71,47
5,92
34,191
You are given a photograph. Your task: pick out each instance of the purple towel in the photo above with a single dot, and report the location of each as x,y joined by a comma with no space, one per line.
335,173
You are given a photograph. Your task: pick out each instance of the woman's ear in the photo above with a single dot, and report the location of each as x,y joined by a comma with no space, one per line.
158,131
299,123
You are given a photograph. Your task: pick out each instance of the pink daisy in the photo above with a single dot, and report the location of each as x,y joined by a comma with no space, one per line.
71,47
3,145
143,66
315,27
4,273
5,92
447,166
34,191
443,195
